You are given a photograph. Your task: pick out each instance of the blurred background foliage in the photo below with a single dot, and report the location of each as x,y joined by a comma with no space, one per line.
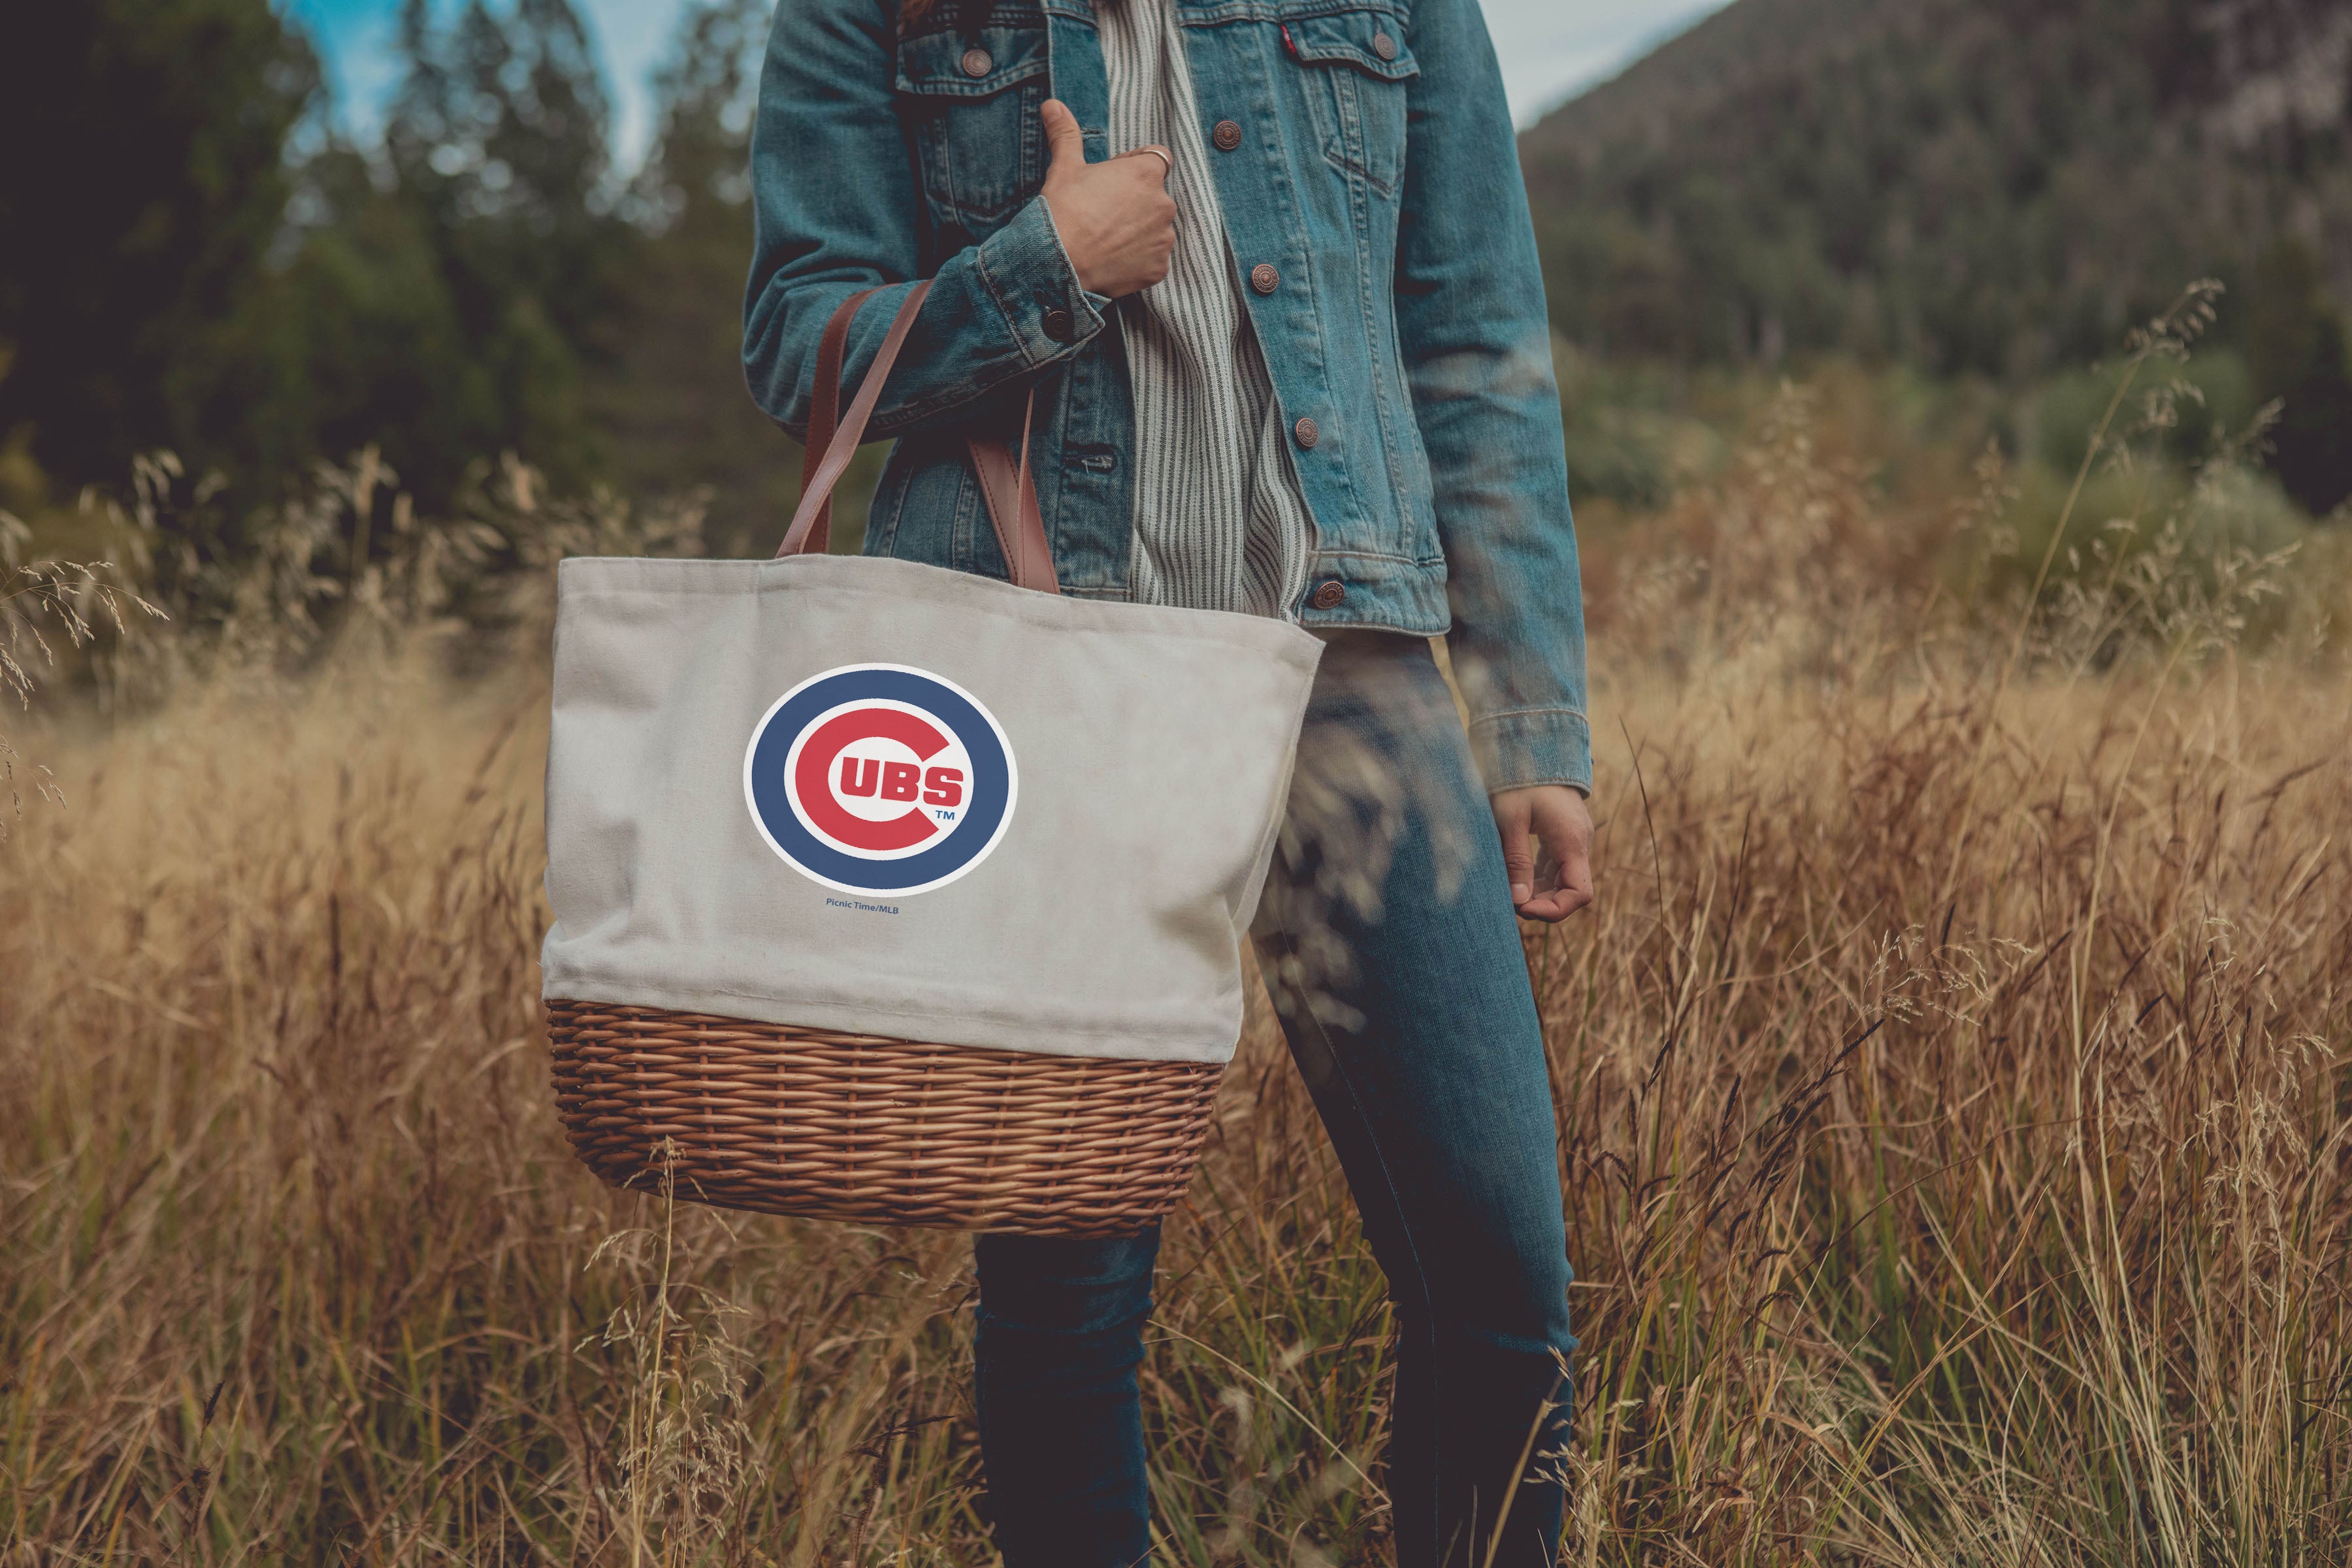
201,261
1949,209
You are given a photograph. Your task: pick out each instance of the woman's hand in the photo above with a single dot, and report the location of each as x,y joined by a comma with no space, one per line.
1117,220
1557,816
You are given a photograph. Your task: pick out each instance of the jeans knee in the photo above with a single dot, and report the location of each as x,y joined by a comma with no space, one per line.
1516,1301
1056,1286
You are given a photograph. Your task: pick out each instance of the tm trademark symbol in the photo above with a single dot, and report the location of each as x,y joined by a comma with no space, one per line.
945,815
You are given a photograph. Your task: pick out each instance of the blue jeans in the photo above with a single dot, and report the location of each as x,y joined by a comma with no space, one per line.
1387,939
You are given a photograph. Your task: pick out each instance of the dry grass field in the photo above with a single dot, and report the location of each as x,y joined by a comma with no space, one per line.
1955,1120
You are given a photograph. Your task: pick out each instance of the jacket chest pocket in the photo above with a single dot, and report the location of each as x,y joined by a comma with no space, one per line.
970,106
1356,67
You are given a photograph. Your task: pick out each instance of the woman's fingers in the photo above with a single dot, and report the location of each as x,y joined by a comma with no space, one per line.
1556,818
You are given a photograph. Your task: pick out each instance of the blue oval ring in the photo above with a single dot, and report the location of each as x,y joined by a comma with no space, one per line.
973,835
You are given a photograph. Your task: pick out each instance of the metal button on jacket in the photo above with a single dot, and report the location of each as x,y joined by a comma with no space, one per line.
1308,431
1265,278
976,62
1227,135
1382,46
1330,595
1059,326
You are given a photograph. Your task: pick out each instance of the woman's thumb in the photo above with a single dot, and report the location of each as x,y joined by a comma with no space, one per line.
1065,143
1511,817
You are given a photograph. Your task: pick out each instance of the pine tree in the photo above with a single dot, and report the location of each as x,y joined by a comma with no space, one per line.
498,142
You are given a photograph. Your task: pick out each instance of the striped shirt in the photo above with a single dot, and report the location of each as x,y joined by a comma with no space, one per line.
1220,523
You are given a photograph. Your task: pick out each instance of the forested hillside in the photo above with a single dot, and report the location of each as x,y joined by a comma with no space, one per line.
1973,185
1996,187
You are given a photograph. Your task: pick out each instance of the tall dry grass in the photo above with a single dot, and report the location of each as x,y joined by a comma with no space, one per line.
1951,1081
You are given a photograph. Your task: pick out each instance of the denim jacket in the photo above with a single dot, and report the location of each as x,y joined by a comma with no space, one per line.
1369,182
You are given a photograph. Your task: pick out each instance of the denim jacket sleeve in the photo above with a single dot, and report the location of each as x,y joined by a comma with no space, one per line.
1477,351
835,211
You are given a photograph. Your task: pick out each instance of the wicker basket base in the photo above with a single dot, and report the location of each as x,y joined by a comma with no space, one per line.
852,1127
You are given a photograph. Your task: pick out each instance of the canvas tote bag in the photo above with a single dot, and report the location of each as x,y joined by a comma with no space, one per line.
892,893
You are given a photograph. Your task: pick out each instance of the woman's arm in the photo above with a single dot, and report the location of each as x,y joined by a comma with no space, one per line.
837,211
1477,351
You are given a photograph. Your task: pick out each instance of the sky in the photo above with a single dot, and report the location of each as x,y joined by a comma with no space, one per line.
1549,49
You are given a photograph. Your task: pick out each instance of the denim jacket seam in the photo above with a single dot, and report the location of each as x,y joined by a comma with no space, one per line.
887,507
1003,306
1360,189
1226,12
1385,628
964,534
1095,303
1583,786
1007,308
1390,428
1387,557
1501,713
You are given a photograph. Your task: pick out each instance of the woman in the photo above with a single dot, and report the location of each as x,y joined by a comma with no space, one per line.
1268,267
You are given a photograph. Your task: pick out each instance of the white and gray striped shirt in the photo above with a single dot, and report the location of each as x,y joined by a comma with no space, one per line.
1220,523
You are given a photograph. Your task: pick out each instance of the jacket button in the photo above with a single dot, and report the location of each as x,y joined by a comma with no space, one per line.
1227,135
977,62
1265,278
1308,432
1330,595
1382,46
1059,326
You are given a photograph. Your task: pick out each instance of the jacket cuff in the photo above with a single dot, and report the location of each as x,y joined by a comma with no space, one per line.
1028,274
1533,746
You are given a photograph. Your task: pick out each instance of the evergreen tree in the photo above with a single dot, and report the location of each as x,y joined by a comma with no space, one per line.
497,144
374,349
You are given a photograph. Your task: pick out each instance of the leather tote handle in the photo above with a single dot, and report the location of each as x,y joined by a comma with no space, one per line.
841,444
1005,483
825,412
1011,494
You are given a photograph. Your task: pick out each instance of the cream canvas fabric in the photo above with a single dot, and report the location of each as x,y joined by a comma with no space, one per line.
879,796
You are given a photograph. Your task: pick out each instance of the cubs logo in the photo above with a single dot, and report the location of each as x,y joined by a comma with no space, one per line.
879,778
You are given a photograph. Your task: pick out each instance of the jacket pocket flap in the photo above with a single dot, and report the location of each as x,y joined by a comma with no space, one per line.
1372,41
957,64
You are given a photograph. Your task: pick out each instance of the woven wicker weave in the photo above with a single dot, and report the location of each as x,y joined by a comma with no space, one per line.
852,1127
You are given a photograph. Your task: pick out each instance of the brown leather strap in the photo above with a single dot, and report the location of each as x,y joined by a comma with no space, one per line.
816,491
823,410
1011,495
1006,484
